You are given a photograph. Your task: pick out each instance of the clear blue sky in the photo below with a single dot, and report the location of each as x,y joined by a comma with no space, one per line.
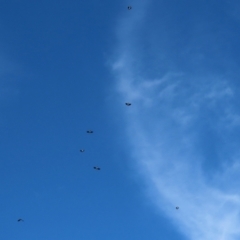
70,66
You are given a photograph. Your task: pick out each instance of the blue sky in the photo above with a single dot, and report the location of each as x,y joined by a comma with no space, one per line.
67,67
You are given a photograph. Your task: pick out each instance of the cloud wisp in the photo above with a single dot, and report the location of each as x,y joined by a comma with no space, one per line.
183,131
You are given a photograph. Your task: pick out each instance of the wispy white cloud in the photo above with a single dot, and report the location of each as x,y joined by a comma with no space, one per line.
174,117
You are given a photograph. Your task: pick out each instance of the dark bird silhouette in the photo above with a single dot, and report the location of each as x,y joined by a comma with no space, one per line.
89,131
20,220
97,168
128,104
129,7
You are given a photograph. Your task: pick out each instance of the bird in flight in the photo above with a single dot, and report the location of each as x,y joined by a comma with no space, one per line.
129,7
20,220
82,150
128,104
177,208
97,168
89,131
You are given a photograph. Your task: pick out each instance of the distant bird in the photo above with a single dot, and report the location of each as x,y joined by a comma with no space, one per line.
20,220
89,131
129,7
128,104
96,168
177,208
82,150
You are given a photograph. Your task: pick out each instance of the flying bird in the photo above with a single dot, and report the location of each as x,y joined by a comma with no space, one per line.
177,208
20,220
89,131
129,7
96,168
82,150
128,104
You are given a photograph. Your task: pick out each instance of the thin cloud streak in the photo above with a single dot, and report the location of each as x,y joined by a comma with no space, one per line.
174,122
